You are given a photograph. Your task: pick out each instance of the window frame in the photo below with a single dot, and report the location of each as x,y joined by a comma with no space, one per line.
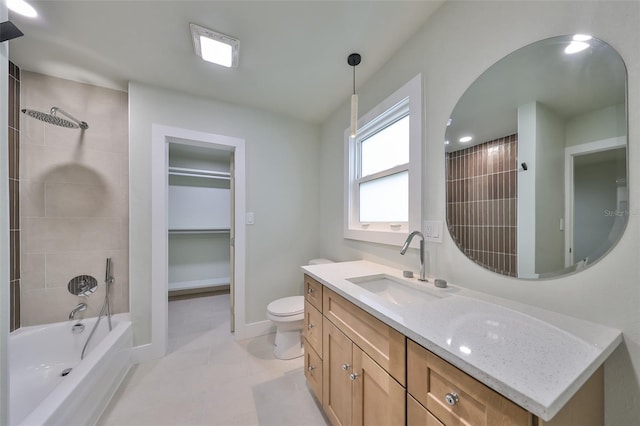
407,100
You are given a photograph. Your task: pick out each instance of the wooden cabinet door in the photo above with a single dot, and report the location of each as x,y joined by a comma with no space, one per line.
313,369
378,399
313,326
337,365
417,415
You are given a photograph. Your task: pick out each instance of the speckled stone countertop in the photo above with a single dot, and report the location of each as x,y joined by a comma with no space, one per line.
534,357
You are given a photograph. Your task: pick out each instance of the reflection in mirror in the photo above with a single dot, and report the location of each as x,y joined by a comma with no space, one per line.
536,159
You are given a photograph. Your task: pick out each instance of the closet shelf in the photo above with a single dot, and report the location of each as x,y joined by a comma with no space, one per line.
208,174
200,231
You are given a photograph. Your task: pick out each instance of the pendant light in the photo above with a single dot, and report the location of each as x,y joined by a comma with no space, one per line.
354,60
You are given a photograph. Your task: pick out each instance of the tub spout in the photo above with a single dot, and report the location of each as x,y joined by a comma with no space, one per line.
81,307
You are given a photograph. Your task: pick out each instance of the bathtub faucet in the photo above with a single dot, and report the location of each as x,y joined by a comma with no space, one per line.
81,307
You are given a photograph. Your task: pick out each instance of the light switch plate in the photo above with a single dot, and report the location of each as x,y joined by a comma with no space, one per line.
433,231
250,219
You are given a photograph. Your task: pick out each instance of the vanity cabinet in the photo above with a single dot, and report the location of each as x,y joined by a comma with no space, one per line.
364,372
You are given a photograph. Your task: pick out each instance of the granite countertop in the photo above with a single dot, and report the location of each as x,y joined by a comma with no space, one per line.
534,357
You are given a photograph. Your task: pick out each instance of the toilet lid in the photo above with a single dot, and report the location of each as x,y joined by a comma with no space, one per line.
286,306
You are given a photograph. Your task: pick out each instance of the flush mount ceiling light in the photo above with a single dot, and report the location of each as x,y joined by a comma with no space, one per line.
353,60
215,47
578,44
22,7
465,139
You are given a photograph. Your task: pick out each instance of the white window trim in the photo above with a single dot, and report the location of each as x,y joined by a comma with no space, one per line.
413,91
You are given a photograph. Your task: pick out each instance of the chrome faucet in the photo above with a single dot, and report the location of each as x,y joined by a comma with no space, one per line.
406,246
81,307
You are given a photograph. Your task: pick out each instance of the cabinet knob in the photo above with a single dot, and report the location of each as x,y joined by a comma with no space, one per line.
452,398
353,376
310,326
345,367
309,290
311,368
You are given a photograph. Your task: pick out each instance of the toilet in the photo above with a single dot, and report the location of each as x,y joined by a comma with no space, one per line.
287,314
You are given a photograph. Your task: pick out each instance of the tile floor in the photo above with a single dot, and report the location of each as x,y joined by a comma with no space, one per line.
208,378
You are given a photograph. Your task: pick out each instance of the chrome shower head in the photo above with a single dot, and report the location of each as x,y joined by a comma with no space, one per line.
52,118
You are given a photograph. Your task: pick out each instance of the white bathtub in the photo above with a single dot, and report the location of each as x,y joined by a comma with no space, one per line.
39,395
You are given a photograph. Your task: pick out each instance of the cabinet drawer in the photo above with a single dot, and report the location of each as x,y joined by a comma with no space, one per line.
417,415
382,343
313,370
313,292
431,379
313,326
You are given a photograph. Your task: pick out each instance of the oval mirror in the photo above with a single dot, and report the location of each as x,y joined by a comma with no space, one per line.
536,159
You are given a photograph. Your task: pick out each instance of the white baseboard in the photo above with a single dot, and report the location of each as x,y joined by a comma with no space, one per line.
254,329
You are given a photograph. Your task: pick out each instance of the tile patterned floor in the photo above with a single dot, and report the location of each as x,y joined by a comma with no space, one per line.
208,378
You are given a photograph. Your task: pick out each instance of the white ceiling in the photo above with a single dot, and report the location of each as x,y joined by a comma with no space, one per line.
293,54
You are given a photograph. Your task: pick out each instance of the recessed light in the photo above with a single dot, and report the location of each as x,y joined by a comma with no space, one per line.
22,7
582,37
575,47
449,122
465,139
215,47
446,142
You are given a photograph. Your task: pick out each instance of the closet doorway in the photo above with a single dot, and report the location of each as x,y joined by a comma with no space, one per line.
165,140
200,183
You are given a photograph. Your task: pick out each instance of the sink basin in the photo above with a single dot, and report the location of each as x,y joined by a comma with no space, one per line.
394,290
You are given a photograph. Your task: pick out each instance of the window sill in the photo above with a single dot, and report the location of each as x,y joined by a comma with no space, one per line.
392,238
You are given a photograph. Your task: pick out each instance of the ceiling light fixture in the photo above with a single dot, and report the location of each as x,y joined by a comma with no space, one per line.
215,47
353,60
22,7
578,44
465,139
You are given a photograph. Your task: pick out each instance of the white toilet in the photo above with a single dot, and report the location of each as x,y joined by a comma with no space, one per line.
287,314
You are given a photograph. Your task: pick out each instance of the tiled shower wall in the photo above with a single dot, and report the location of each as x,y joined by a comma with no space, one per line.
74,198
482,186
14,196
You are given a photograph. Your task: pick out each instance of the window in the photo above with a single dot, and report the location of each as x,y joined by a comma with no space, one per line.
383,170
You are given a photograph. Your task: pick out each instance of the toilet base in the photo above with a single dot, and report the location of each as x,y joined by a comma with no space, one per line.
288,344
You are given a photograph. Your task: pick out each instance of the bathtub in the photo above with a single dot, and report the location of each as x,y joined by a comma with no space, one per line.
40,395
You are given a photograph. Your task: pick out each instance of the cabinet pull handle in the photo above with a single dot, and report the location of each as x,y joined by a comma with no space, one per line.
310,326
310,290
345,367
452,398
353,376
311,368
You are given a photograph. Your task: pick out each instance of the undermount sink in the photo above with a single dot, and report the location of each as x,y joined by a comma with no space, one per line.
394,290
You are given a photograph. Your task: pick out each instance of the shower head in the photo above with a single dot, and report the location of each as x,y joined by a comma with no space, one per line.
52,118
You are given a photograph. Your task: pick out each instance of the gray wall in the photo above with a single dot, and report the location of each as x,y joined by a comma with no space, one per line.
282,175
459,42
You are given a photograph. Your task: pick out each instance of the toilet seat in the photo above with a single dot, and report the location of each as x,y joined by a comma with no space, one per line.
286,307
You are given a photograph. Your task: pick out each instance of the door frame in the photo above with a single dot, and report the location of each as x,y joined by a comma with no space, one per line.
569,158
161,137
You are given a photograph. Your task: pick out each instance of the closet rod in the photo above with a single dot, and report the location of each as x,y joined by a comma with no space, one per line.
181,171
199,231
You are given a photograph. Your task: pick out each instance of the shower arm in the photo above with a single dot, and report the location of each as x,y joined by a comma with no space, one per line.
83,125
